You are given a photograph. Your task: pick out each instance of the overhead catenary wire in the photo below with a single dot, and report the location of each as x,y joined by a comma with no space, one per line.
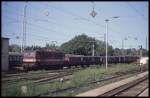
137,11
41,27
35,32
81,17
35,18
31,34
73,14
27,23
59,32
30,23
31,26
142,16
39,37
34,35
23,26
12,35
50,21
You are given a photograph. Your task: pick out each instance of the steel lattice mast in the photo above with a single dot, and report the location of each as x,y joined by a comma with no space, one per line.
24,30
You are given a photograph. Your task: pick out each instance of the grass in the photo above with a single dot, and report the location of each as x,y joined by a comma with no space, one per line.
86,75
91,74
78,78
32,89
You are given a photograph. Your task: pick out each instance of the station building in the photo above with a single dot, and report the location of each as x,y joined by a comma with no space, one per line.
5,54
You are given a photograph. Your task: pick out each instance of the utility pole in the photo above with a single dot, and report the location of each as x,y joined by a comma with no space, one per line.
122,47
53,43
146,43
106,39
123,52
93,14
24,30
140,51
93,50
107,20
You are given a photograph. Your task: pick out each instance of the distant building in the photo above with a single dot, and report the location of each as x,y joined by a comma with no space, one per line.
144,60
4,57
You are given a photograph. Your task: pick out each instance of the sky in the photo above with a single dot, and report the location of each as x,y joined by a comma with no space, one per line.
47,22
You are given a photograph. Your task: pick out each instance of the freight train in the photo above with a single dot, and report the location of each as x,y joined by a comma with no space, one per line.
40,59
15,59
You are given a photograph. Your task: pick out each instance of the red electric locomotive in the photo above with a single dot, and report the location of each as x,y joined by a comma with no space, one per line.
43,59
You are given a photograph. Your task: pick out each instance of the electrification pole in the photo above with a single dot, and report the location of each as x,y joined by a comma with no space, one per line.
141,51
106,39
24,30
123,53
122,47
93,49
107,20
93,14
146,43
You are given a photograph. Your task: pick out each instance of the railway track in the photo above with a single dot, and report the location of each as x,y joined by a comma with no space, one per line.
133,88
44,79
69,73
50,78
117,75
144,93
43,76
29,76
30,73
117,88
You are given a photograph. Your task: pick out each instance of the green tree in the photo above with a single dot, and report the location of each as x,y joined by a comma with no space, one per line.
117,52
83,45
51,47
14,48
145,52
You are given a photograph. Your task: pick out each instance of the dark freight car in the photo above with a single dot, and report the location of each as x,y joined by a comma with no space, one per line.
73,60
15,59
88,60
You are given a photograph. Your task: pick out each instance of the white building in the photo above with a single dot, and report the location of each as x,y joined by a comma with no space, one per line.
4,57
144,60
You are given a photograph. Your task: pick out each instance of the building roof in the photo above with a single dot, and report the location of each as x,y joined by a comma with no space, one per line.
5,38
